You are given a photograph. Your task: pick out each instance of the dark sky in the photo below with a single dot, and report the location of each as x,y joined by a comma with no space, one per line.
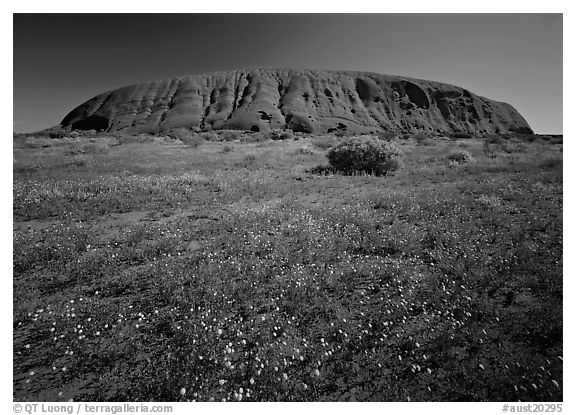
62,60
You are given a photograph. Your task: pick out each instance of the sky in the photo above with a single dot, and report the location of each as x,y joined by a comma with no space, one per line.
62,60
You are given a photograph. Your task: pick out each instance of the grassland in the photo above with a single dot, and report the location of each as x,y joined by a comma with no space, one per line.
231,271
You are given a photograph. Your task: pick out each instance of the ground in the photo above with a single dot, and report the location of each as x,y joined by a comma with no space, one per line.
154,270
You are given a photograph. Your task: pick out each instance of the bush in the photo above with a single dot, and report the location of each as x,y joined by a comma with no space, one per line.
303,151
229,135
387,135
495,143
364,154
210,136
556,140
254,137
322,170
421,139
460,135
281,134
249,160
459,156
79,160
21,141
551,163
188,138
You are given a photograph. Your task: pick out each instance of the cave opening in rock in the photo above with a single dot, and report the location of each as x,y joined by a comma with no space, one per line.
416,95
93,122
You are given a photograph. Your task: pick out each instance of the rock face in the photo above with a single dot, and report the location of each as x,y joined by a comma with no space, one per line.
302,100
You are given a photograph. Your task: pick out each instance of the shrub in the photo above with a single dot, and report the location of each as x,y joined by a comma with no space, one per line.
460,135
281,134
229,135
494,143
26,167
248,161
459,156
254,137
556,140
364,154
551,163
303,150
387,135
21,141
188,138
321,170
79,160
209,136
126,138
421,139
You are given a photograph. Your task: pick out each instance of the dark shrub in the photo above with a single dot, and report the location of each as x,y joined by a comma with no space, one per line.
387,135
229,135
281,134
556,140
459,156
421,139
495,143
460,135
188,138
551,163
364,155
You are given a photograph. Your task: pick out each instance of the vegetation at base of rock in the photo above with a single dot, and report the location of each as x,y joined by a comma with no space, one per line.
161,272
364,154
459,156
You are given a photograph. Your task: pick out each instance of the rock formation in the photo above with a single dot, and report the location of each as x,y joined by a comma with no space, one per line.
312,101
